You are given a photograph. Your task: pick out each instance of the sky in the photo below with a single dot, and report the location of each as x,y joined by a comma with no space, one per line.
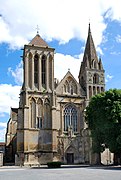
63,24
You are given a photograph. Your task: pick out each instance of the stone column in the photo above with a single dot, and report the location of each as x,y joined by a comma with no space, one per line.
36,115
26,72
32,73
92,91
52,72
40,73
95,89
47,73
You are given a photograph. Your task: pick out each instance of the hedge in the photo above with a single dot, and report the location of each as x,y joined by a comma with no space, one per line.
56,164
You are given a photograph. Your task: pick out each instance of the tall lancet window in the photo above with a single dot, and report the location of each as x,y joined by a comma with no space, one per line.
96,79
43,71
30,70
36,61
33,113
70,118
47,114
39,113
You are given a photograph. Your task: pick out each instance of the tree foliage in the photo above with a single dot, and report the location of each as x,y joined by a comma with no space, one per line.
103,116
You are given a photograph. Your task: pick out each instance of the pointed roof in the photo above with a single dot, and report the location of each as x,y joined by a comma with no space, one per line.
38,41
100,64
90,50
68,75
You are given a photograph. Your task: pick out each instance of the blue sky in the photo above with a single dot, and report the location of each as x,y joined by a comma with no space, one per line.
63,24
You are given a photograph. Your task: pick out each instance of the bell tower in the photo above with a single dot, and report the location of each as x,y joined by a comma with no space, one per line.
91,75
38,66
35,113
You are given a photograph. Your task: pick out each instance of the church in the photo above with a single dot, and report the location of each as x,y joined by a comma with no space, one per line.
49,124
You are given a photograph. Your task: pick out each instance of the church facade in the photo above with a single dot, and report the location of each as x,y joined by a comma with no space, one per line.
50,119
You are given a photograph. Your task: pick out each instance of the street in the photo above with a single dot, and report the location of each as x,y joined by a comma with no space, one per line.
64,173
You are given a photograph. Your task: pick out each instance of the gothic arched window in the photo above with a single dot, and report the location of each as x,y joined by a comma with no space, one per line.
70,118
102,89
75,89
94,64
33,114
94,90
43,65
64,87
90,91
30,70
47,114
95,79
39,113
98,90
70,87
36,60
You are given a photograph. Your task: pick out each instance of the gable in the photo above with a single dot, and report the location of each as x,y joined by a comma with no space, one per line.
69,86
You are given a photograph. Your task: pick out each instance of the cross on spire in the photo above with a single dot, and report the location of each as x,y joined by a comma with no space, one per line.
37,28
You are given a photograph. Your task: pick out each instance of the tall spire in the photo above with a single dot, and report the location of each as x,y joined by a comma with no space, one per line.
91,75
90,50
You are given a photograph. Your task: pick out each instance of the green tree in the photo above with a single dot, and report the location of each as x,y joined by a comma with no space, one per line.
103,116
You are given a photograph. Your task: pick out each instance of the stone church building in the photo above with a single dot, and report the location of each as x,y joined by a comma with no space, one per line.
50,118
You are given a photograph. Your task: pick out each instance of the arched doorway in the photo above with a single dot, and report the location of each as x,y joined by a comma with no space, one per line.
70,155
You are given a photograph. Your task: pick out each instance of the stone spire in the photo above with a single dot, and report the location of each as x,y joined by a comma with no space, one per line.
100,64
90,51
91,75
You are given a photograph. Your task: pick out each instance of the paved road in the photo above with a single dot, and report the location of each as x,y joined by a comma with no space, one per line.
64,173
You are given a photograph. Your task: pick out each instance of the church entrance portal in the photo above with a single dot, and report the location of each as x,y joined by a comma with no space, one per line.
70,158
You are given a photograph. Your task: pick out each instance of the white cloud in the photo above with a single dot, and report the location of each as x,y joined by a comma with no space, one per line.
2,114
113,8
65,62
118,38
9,97
60,20
115,53
108,77
2,134
3,124
17,73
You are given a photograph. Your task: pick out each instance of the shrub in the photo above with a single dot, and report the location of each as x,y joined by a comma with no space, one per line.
56,164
